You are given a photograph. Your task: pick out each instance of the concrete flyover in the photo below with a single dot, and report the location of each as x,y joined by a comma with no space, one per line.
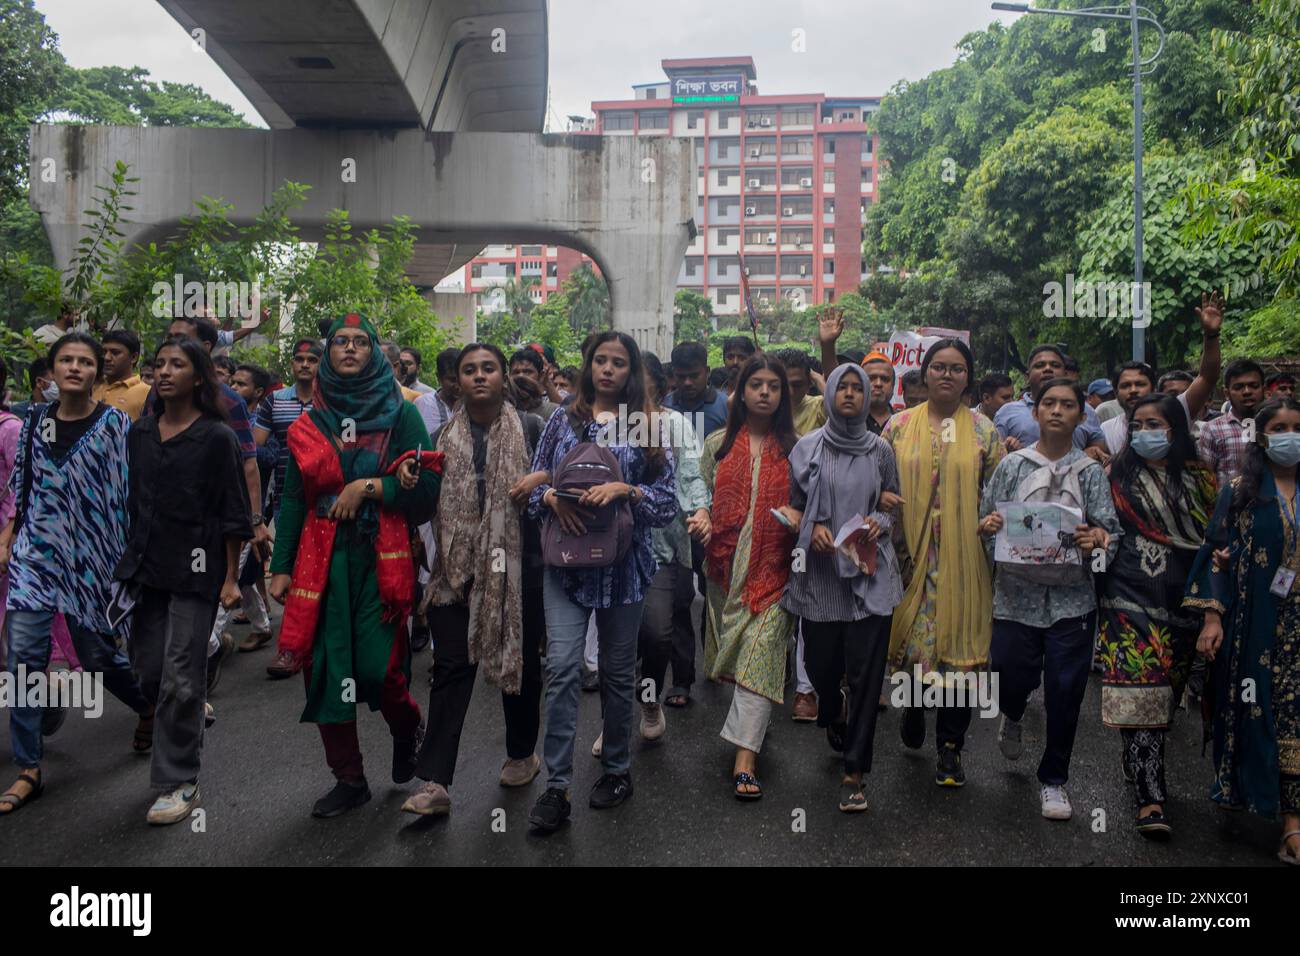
628,203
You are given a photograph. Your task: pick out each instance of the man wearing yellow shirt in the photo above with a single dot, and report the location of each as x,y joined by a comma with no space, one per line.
120,388
809,410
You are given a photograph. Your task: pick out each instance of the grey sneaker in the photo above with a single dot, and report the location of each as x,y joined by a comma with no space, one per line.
653,722
175,806
520,773
1010,735
1056,805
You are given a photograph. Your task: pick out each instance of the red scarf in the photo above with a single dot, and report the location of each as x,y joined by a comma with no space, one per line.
769,552
322,474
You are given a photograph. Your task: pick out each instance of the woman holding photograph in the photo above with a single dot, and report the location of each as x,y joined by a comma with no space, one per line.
1251,600
838,472
946,452
748,558
1164,497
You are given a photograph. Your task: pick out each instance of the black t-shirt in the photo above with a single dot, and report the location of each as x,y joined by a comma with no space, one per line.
67,434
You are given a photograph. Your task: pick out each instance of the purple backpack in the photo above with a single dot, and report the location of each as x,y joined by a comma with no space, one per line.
609,531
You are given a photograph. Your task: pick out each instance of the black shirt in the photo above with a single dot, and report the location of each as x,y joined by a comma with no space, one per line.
67,434
185,494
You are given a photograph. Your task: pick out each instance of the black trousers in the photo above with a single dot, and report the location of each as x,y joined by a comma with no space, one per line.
683,650
655,638
453,686
855,650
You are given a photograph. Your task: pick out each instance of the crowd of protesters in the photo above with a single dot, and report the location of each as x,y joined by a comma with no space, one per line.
845,531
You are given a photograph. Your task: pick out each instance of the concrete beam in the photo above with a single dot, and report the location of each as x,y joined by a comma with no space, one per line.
627,202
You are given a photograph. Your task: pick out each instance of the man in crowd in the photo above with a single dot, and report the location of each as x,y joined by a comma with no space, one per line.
527,374
411,362
914,390
1280,385
394,356
1100,391
120,386
880,373
281,408
736,350
692,395
435,408
51,332
43,387
1175,383
227,337
252,383
995,390
1223,442
1015,420
1136,380
225,367
809,410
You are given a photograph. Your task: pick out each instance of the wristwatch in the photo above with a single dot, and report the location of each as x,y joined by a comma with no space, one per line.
369,486
633,494
258,520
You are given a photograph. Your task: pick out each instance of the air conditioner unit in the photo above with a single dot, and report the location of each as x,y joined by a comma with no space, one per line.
765,121
746,272
751,210
788,211
755,183
806,183
771,238
803,270
798,243
756,152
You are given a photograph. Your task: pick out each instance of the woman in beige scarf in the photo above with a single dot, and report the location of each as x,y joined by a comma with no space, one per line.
475,595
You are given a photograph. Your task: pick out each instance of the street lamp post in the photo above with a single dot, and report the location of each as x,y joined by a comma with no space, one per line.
1135,15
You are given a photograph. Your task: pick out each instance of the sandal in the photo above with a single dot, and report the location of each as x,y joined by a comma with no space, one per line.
255,641
1284,852
853,797
677,697
15,802
747,780
142,741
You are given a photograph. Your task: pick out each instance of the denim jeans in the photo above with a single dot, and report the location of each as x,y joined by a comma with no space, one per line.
29,645
566,630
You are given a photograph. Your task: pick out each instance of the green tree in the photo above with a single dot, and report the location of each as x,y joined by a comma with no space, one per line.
30,65
692,317
588,294
125,96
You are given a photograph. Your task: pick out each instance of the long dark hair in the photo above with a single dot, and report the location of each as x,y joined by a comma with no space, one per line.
508,387
1256,464
1182,447
655,369
634,396
966,354
206,396
782,420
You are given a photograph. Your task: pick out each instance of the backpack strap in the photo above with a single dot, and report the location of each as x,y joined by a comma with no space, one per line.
1034,455
33,415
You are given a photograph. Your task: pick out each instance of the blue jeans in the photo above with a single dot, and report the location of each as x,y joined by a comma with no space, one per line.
29,645
566,633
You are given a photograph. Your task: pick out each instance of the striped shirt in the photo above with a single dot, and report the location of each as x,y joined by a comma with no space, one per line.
276,412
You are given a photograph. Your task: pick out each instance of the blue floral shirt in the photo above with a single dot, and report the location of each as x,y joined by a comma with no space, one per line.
626,581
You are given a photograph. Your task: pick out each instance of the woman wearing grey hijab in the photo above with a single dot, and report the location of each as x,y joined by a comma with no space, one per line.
837,473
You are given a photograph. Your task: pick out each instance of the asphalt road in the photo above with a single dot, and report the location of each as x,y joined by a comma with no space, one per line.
262,770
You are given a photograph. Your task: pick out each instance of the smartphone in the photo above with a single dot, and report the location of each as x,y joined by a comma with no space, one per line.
573,496
783,519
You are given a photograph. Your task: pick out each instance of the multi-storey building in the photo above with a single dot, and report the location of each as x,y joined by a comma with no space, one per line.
784,182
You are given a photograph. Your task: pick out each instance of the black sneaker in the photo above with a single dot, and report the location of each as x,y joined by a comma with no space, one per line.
344,797
551,810
948,772
1154,826
610,791
913,727
835,736
406,752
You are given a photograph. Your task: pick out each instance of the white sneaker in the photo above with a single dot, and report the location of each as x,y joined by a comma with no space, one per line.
653,721
598,746
1056,805
175,806
1009,738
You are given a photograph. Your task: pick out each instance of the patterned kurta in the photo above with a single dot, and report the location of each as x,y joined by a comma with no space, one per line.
1256,675
919,648
740,645
74,530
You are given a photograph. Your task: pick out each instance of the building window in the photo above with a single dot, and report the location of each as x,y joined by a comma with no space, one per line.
828,176
828,146
724,295
801,116
725,236
725,175
760,119
553,270
828,207
476,271
693,118
727,117
654,119
828,267
866,175
618,121
796,147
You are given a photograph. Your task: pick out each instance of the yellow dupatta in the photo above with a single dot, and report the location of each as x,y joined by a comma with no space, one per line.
964,615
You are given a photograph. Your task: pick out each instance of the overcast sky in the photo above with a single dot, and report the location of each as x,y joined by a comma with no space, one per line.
600,47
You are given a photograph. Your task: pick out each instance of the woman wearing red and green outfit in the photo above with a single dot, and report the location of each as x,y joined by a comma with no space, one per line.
360,476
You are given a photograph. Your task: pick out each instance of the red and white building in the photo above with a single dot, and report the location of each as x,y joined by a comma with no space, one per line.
784,183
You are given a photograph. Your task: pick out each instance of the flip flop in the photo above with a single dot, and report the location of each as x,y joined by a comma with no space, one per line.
142,740
745,779
677,697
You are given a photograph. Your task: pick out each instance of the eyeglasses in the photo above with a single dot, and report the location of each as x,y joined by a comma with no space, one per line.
948,371
348,341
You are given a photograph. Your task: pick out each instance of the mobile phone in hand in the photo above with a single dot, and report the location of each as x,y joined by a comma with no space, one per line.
783,519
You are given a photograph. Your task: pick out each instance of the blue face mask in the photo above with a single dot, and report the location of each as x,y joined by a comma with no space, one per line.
1151,445
1284,449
